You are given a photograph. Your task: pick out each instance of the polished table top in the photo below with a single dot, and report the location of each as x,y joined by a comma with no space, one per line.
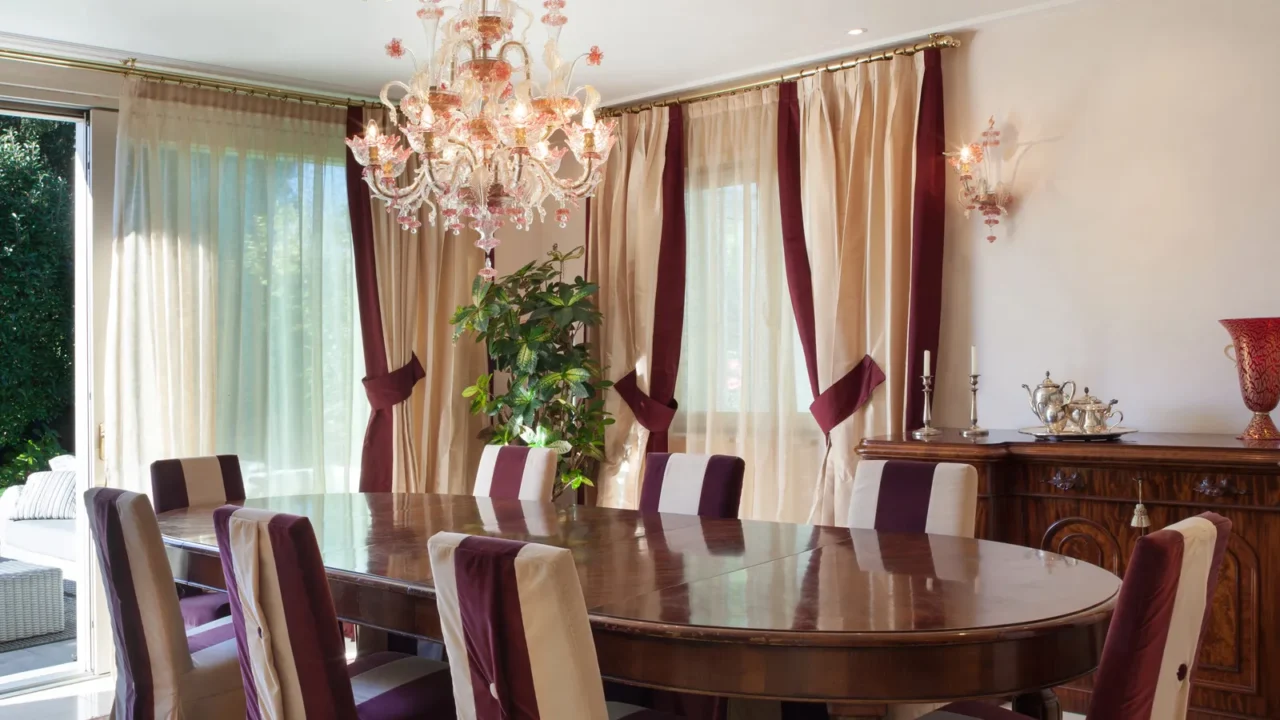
741,581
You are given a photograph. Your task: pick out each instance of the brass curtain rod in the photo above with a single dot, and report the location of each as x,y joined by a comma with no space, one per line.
934,41
129,67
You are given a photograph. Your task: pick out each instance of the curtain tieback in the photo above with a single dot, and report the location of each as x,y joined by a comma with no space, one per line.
387,391
653,415
847,395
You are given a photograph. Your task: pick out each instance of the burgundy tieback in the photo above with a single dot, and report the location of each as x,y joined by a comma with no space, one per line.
653,415
387,391
847,395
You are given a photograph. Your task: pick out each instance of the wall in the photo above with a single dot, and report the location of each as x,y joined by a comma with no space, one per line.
1146,207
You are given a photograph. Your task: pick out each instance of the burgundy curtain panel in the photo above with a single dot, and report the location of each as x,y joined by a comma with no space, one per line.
847,395
928,224
384,388
656,410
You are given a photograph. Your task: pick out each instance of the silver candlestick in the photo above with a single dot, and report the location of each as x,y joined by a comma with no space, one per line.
928,430
974,431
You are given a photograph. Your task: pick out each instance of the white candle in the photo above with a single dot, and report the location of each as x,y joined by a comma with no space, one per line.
973,359
926,363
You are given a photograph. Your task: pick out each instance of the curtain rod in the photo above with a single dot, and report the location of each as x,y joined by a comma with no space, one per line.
129,67
934,41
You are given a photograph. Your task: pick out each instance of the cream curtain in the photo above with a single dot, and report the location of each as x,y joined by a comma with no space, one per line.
622,256
742,383
858,130
446,433
232,313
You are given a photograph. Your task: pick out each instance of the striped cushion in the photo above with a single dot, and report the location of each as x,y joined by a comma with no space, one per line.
161,669
706,485
906,496
510,471
63,463
1160,616
196,482
204,608
291,648
516,628
47,496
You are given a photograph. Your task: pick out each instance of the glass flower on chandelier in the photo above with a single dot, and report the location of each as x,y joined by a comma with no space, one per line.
479,131
979,167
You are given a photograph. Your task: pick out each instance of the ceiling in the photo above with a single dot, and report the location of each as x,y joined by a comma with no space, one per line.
651,48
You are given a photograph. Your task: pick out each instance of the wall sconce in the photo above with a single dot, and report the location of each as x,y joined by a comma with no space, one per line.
980,187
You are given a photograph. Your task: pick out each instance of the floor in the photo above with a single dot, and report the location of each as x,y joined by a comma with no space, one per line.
34,658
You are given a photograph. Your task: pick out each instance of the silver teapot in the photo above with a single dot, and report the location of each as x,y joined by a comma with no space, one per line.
1049,402
1091,415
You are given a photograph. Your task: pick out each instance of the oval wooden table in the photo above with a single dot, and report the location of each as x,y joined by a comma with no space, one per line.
857,619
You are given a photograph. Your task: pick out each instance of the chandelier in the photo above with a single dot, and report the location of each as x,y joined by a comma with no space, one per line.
484,140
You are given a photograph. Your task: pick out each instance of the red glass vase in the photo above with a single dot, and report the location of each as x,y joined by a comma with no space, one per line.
1257,348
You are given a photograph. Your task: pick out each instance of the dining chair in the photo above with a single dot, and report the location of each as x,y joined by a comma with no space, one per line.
292,655
1155,633
511,471
705,485
162,669
909,496
199,481
515,624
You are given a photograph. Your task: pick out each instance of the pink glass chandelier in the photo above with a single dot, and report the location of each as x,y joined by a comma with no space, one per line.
981,189
483,141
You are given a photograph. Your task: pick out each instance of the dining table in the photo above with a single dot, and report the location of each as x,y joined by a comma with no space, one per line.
856,619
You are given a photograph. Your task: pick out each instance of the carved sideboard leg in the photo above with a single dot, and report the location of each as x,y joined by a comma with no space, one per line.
1041,705
850,711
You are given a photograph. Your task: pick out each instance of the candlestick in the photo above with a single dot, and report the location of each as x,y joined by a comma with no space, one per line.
973,431
928,430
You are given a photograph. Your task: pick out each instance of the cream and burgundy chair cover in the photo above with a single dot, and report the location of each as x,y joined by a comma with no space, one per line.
1155,633
907,496
292,654
510,471
162,669
515,624
706,485
200,482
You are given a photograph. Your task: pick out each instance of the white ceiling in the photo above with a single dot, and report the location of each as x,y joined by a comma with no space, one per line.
651,47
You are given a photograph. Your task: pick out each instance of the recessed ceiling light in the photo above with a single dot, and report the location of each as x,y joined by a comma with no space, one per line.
857,31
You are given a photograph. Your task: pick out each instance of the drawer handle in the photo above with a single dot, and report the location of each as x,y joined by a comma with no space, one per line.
1066,483
1223,487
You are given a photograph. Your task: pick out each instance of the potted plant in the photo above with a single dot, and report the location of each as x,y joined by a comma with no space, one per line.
534,323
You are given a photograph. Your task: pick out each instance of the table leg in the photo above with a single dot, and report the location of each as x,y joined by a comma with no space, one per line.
851,711
1040,705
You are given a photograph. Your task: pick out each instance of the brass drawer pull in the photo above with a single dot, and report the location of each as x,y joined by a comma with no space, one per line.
1066,483
1223,487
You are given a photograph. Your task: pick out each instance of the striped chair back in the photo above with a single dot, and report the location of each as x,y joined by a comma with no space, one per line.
510,471
1160,617
921,497
292,654
196,482
705,485
515,625
156,675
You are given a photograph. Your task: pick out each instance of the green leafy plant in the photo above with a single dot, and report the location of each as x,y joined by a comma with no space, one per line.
534,322
32,455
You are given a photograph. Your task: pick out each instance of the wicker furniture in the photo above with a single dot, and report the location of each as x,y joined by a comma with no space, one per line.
32,600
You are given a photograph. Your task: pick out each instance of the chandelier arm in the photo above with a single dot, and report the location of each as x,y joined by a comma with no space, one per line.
528,63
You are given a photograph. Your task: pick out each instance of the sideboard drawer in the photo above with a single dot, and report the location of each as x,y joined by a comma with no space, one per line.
1207,488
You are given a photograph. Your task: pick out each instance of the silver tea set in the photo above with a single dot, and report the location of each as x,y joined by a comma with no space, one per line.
1065,417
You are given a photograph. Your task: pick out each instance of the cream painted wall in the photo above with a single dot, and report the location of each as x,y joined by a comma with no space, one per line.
1147,186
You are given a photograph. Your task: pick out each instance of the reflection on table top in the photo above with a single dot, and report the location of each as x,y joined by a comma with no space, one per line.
694,575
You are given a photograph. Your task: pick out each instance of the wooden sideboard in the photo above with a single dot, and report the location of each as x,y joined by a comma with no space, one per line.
1077,499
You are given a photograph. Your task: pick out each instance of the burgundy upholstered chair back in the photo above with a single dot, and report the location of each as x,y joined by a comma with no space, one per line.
1160,616
196,482
292,655
706,485
516,628
152,654
920,497
514,472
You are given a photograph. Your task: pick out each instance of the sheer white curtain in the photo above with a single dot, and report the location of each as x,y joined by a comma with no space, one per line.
742,385
233,320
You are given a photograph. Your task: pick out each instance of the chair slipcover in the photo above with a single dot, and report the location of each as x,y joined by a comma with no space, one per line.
510,471
907,496
706,485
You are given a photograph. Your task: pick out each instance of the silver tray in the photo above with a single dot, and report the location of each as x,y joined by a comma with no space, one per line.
1043,433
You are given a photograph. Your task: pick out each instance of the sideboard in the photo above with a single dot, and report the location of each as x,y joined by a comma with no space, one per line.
1077,499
